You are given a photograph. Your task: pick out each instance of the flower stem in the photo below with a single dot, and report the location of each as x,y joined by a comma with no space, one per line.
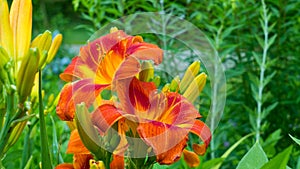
46,160
4,135
262,72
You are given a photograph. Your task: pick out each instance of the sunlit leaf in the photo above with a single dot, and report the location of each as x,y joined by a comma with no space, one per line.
295,139
254,159
280,160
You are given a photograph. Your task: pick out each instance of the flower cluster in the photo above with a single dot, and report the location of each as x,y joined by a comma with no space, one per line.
20,61
119,117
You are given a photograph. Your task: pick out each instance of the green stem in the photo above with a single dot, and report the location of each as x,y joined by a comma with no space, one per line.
262,72
4,136
46,160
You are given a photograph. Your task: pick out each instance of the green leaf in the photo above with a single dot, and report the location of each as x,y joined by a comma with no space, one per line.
270,28
279,161
219,161
45,153
24,118
268,110
28,163
257,58
260,41
254,159
271,40
295,139
270,142
213,164
269,78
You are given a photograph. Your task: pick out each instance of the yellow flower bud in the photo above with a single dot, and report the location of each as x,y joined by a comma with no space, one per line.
113,29
147,72
166,88
189,75
96,164
156,80
26,74
174,86
3,60
42,42
195,88
54,48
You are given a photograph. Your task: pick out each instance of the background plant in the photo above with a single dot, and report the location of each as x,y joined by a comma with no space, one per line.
233,27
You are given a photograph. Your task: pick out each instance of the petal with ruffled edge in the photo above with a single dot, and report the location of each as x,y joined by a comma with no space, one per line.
191,158
134,95
65,166
81,161
86,64
179,111
105,116
75,145
74,93
146,51
117,162
167,141
200,129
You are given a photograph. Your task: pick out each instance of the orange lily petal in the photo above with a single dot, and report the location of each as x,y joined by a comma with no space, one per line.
191,158
167,141
127,69
86,64
146,51
199,149
75,93
117,162
134,95
6,37
179,111
110,63
105,116
75,145
62,106
81,161
92,53
200,129
65,166
68,75
21,24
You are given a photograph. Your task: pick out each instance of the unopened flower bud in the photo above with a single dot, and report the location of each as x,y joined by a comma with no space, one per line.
195,88
174,86
42,42
54,48
189,75
26,73
87,132
96,164
147,72
166,88
156,80
3,60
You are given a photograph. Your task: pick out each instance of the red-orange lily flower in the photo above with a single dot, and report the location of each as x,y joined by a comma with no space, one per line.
99,64
163,120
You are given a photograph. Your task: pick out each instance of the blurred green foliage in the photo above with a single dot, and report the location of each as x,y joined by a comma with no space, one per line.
233,27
